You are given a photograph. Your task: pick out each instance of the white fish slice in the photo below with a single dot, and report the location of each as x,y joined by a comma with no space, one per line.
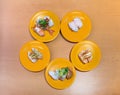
78,22
30,58
54,75
37,29
73,26
38,19
50,23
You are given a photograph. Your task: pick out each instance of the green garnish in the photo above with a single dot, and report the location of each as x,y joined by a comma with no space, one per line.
63,71
43,23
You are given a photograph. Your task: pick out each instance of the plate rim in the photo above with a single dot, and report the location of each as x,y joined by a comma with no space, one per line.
63,18
25,46
30,21
88,41
46,74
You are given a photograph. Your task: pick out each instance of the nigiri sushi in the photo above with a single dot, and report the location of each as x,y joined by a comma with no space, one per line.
75,24
34,55
42,25
61,74
85,56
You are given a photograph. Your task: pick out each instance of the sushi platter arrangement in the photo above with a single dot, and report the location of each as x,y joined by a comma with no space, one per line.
45,26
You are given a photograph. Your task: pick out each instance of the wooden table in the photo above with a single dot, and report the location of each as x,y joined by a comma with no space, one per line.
14,20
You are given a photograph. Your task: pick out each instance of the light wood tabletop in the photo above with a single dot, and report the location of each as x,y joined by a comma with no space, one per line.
14,20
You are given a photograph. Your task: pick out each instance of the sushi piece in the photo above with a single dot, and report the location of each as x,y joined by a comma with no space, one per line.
78,22
42,25
85,56
50,21
61,74
39,31
75,24
54,74
69,75
34,55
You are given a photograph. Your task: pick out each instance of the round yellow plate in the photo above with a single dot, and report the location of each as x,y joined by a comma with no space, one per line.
41,63
57,64
55,27
82,33
83,46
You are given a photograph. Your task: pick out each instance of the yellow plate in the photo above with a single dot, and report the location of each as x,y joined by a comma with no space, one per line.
83,46
41,63
82,33
47,36
57,64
